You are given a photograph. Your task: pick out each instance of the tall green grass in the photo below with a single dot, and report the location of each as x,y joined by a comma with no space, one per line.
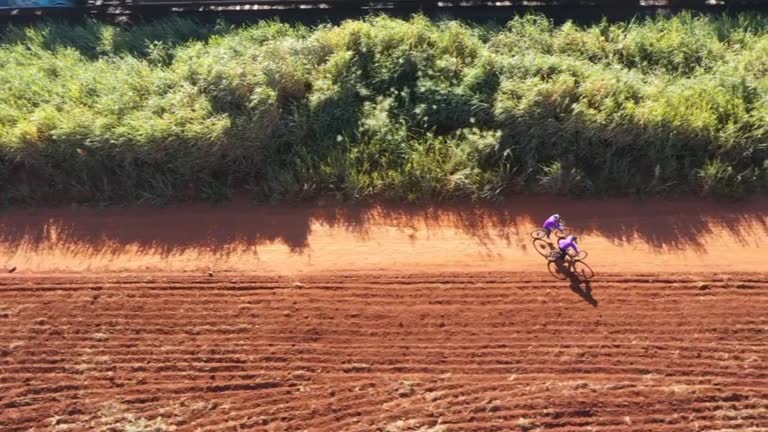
384,108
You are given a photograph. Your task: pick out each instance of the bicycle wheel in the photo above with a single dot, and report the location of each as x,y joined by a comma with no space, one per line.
583,270
538,234
579,256
556,269
542,247
562,233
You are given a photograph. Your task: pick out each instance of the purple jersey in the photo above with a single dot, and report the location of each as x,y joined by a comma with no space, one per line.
552,224
568,243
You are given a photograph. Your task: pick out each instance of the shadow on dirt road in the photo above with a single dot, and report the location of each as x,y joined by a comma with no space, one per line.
219,229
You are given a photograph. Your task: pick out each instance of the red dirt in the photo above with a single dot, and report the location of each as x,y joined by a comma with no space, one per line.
620,236
382,320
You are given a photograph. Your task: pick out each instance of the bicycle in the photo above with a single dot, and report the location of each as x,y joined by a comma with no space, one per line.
545,246
541,233
563,268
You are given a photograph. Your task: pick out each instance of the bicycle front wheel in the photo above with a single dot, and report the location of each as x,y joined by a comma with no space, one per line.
579,256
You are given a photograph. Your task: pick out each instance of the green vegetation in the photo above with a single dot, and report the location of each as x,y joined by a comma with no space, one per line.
384,108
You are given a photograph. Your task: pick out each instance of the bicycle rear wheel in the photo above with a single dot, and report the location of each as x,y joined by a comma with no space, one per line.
557,269
542,247
583,270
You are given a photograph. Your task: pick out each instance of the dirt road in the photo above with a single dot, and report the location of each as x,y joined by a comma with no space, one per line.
619,236
381,319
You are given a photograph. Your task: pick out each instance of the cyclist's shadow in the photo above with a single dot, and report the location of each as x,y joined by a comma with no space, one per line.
584,290
578,285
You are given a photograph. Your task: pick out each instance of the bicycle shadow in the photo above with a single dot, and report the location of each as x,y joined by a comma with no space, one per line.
586,292
578,284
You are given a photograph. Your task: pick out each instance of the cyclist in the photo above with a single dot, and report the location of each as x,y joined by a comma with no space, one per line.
552,224
566,243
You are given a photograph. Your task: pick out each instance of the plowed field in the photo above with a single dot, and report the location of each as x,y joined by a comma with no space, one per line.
396,322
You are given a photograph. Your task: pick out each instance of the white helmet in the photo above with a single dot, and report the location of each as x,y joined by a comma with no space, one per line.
556,216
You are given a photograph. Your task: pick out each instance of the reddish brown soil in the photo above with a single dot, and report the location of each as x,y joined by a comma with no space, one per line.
359,326
620,236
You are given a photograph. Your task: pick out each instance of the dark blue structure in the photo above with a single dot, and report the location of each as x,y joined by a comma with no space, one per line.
77,8
36,4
